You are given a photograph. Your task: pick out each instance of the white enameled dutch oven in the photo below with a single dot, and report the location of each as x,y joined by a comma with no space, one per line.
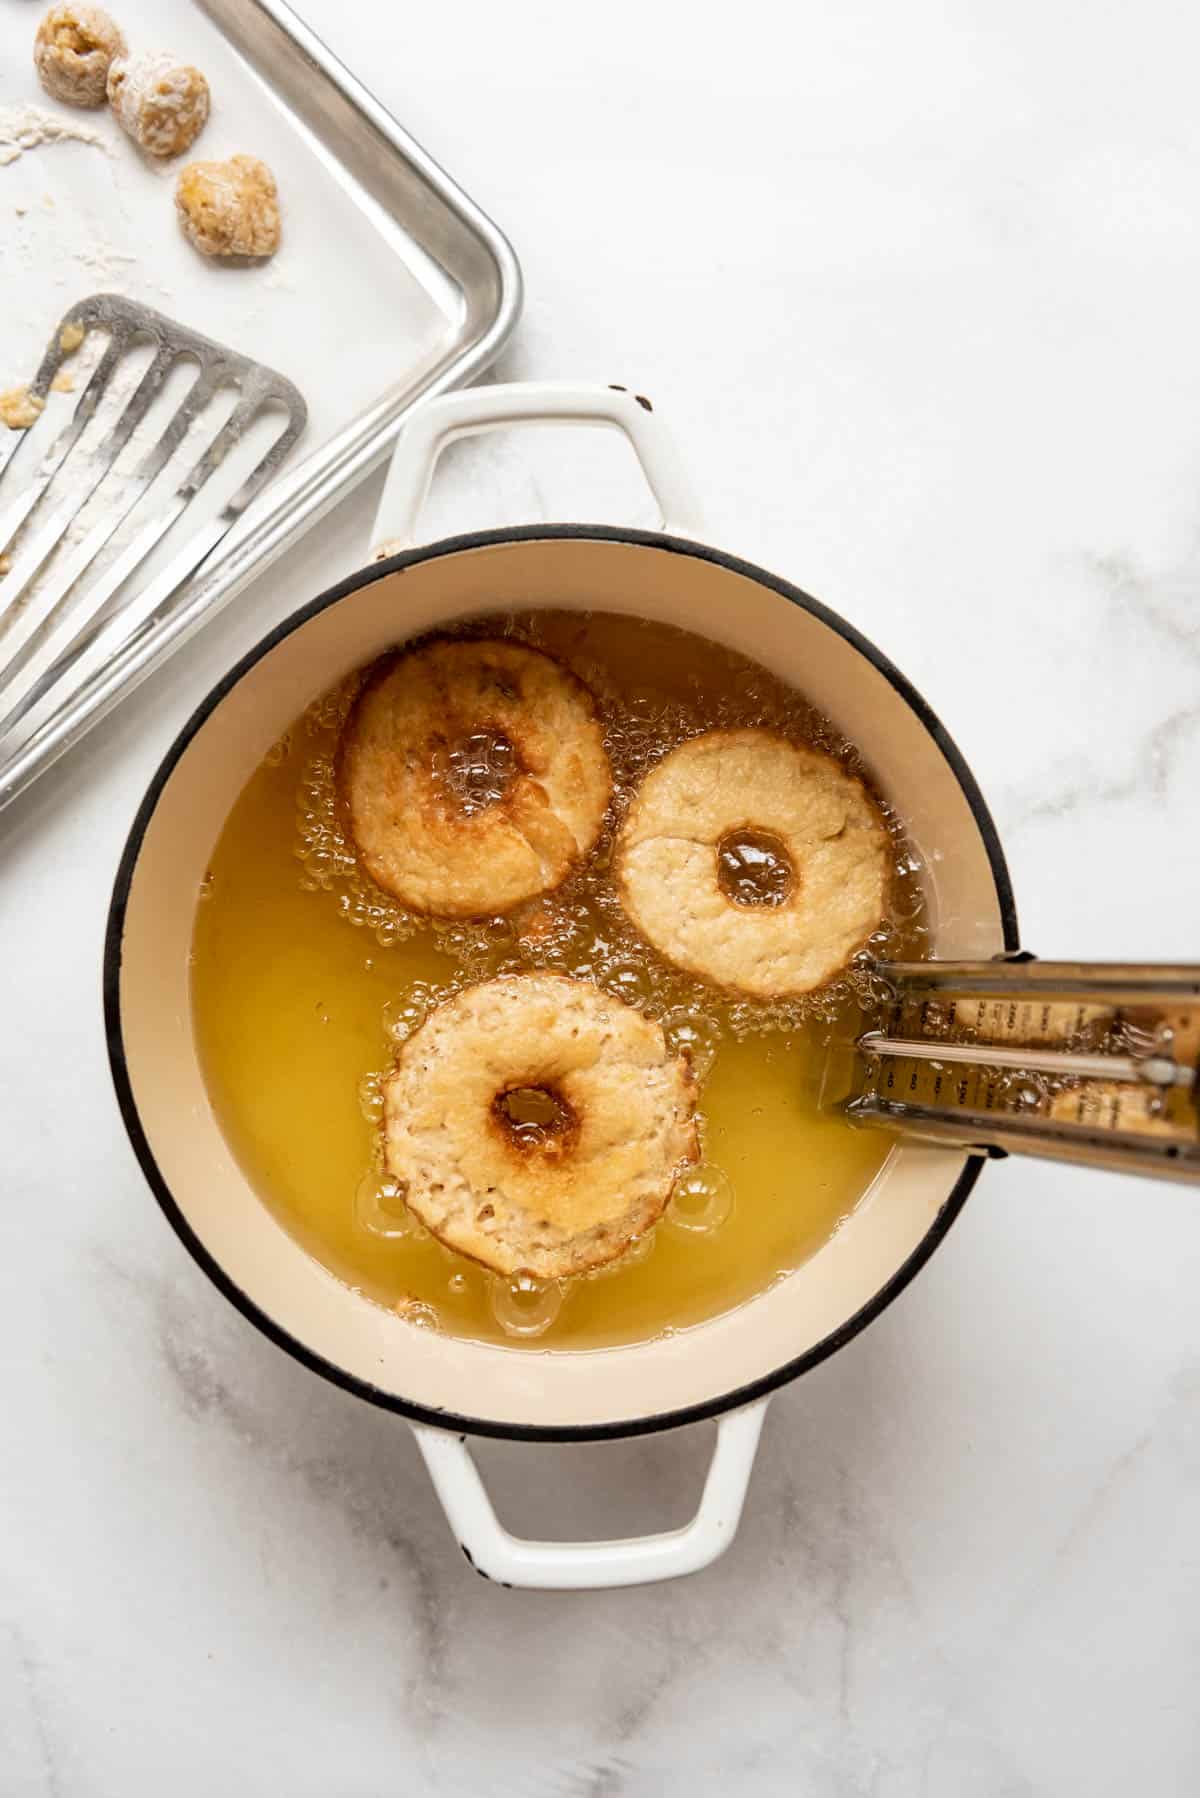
450,1389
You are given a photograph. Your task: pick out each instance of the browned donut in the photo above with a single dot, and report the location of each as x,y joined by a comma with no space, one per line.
474,776
830,845
553,1197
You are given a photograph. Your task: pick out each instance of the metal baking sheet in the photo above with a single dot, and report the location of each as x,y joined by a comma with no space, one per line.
391,283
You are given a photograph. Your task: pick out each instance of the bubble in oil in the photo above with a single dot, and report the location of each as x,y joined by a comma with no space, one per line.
638,1249
524,1305
754,868
279,752
320,866
701,1200
370,1097
1020,1090
458,1284
478,771
686,1028
909,861
644,704
332,708
418,1312
379,1208
327,859
629,979
403,1015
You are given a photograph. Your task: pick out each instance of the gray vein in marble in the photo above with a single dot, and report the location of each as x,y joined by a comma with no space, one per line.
995,1778
650,1654
207,1396
1129,587
205,1392
605,1779
1152,771
35,1698
1166,604
839,1592
632,1716
1099,1501
1180,1427
205,1370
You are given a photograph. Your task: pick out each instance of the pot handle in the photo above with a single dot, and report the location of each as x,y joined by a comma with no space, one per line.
439,421
566,1566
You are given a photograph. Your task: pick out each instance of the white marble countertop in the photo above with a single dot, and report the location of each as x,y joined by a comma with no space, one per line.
916,290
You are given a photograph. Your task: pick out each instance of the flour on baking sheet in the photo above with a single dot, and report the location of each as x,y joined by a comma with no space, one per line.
25,128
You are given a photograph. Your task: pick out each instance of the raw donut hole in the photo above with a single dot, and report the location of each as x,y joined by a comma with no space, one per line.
73,51
754,868
535,1117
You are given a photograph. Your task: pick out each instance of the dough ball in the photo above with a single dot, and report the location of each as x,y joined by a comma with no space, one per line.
72,52
160,101
229,208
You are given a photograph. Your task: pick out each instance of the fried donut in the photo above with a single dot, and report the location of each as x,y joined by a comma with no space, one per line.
753,862
537,1124
474,776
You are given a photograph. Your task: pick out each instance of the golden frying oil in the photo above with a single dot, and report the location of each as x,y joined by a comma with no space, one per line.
306,977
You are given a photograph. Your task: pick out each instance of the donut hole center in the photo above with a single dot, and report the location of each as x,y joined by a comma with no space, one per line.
754,867
478,769
535,1117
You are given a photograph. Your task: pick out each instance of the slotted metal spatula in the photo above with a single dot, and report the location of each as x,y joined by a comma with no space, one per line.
62,618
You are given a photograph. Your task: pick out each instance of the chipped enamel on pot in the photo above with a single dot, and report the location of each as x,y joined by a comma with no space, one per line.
723,1368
